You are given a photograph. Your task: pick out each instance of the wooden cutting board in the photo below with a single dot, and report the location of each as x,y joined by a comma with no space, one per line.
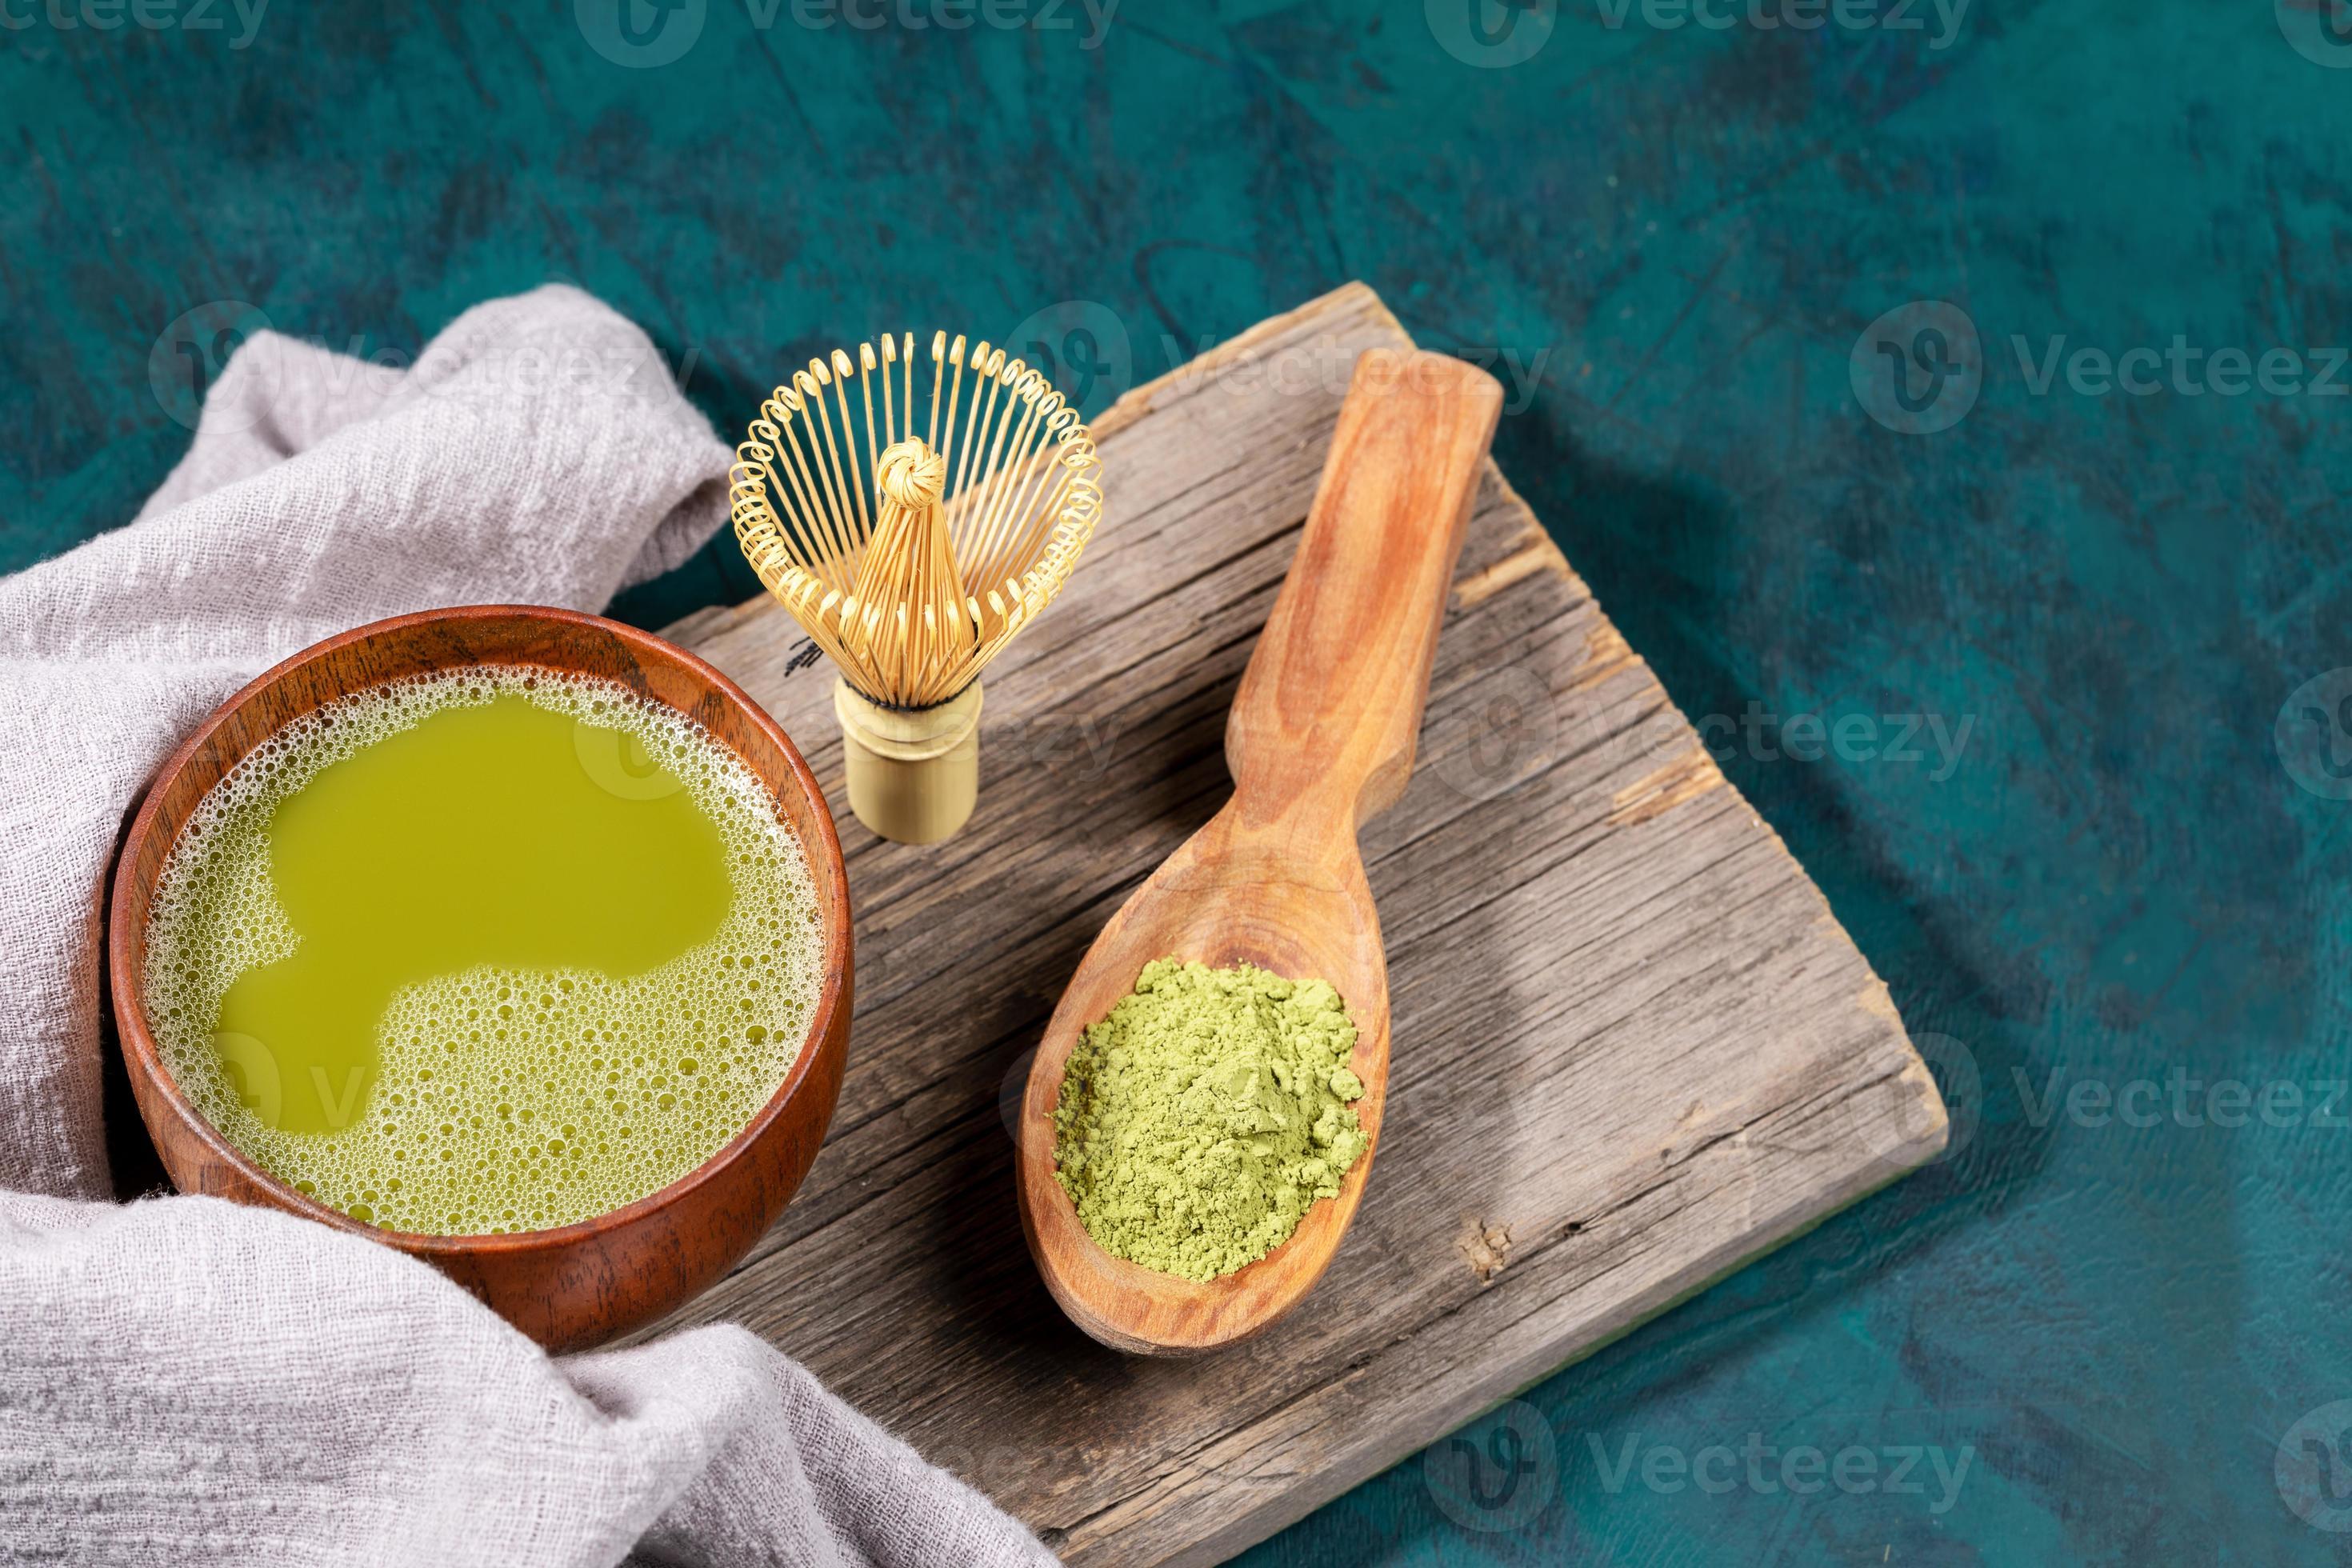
1632,1048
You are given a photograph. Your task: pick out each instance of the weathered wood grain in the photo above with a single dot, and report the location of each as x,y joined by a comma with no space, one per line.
1631,1047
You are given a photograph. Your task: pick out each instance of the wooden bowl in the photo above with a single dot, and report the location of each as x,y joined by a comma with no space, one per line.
577,1285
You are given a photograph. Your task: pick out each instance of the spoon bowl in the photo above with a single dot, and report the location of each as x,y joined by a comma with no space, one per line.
1228,896
1320,739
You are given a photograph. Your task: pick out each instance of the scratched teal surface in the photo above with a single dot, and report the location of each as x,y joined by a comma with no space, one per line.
2104,869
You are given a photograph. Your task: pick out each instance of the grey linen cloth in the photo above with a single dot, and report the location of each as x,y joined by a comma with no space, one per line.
187,1381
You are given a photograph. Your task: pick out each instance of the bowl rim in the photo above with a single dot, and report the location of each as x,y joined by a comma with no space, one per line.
823,857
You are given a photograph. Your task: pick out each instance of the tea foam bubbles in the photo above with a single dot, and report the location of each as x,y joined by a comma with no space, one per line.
463,1129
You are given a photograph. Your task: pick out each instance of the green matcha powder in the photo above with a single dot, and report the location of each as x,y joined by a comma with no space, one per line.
1200,1119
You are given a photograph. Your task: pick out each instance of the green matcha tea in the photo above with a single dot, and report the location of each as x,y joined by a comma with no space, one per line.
1200,1120
494,950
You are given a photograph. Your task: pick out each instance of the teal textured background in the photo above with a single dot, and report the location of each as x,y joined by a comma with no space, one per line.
1679,235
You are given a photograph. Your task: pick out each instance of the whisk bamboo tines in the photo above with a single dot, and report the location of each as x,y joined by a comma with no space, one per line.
914,540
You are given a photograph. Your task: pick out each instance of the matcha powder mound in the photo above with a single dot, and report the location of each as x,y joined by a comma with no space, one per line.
1200,1120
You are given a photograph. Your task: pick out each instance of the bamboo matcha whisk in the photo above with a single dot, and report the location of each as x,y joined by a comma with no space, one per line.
913,544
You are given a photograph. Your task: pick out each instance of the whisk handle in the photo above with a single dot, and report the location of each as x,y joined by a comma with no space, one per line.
1330,709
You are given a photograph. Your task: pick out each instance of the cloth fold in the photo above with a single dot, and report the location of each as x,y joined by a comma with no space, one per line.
186,1382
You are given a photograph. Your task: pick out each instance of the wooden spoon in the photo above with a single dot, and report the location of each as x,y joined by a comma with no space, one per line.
1320,739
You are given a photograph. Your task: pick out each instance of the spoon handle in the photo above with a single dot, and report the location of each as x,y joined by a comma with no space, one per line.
1329,708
